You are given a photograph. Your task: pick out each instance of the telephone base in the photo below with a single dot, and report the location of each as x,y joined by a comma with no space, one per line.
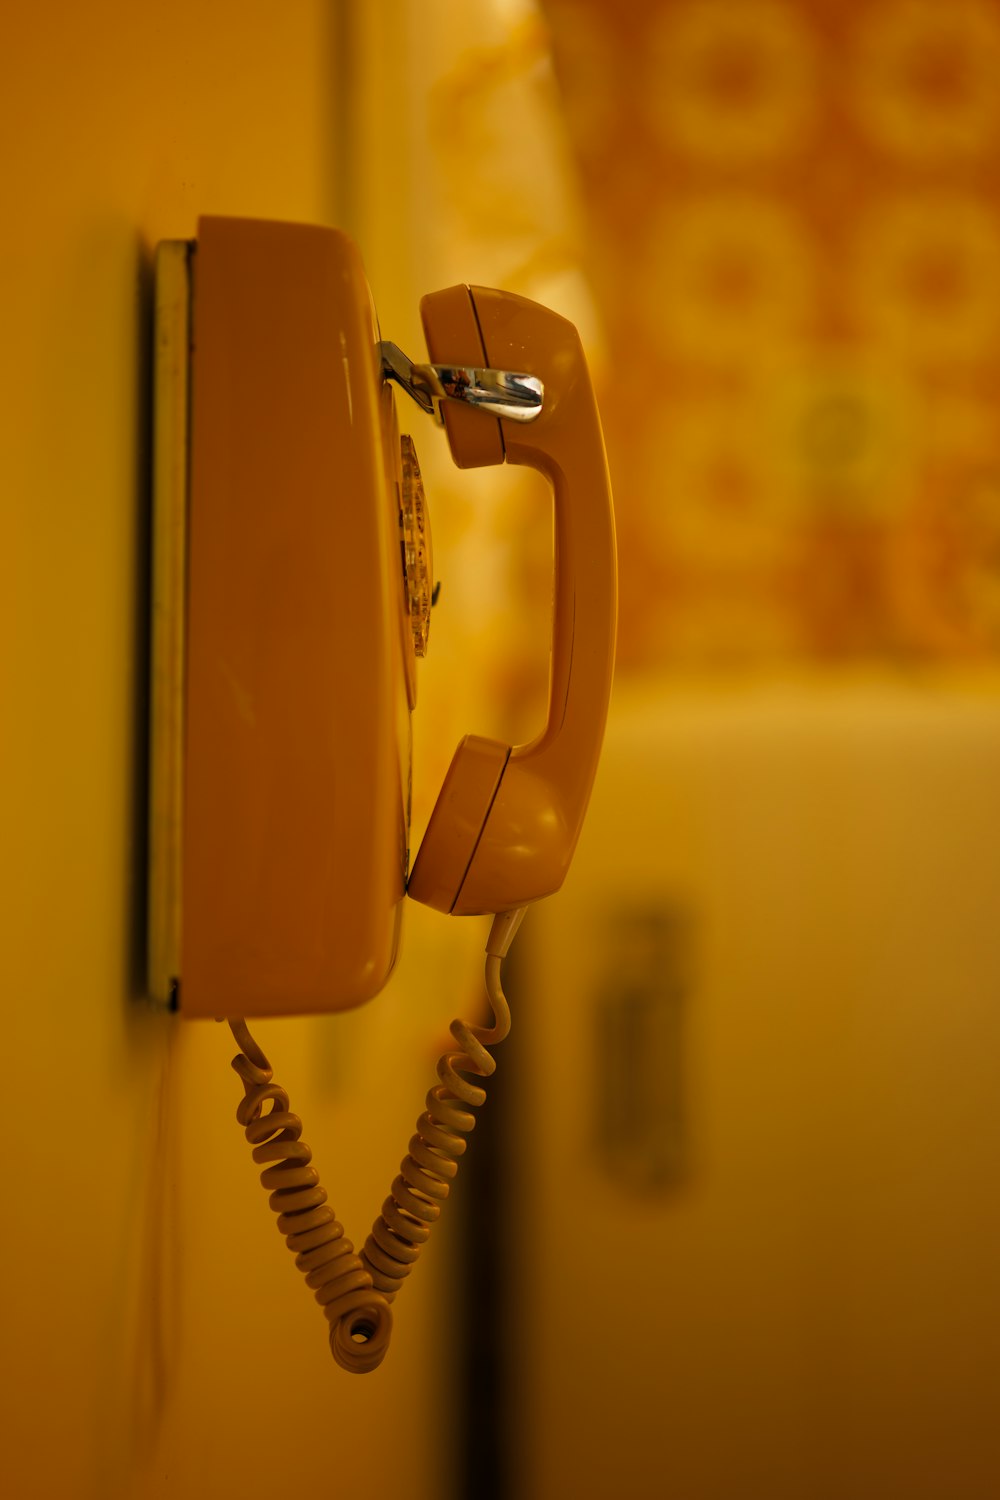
282,673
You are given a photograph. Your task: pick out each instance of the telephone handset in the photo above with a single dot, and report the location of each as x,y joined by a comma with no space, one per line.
506,823
291,598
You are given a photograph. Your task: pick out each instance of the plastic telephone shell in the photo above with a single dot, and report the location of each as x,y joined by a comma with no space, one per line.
507,820
297,710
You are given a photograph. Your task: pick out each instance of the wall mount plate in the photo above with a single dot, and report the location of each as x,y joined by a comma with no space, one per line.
172,344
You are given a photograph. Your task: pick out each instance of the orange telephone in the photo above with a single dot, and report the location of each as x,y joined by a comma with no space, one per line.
292,586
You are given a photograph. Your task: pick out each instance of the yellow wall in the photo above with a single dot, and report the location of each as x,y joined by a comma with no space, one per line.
157,1338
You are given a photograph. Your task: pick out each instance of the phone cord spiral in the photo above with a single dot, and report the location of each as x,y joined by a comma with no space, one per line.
360,1319
426,1174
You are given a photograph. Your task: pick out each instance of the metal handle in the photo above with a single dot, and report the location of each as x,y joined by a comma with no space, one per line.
641,1124
507,394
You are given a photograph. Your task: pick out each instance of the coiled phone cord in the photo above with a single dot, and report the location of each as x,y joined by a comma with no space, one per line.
360,1319
355,1291
427,1172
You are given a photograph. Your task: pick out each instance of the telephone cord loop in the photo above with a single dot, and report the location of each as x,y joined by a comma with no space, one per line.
355,1290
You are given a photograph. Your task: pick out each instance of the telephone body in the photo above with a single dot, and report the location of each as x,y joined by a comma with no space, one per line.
291,589
285,673
286,625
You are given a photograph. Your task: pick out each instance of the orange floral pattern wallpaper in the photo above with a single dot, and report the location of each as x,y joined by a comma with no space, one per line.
792,214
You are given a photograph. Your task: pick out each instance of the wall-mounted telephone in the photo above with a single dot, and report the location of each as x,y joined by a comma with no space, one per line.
292,583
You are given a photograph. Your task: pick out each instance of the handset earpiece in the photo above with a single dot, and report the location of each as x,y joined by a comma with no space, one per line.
506,822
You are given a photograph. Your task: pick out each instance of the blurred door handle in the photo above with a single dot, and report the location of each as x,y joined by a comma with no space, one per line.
640,1104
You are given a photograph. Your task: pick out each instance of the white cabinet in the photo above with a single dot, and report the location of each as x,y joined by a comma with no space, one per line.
753,1159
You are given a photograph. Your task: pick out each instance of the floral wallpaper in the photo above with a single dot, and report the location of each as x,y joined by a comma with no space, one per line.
793,235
